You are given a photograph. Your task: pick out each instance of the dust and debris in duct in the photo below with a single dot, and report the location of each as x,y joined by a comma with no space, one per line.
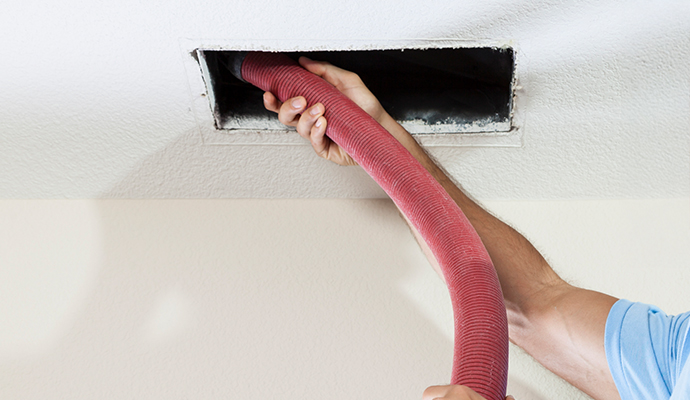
432,88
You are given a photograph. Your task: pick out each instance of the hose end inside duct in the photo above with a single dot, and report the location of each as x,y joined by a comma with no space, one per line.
234,63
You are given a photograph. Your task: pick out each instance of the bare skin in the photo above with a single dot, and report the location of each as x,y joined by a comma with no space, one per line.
560,325
453,392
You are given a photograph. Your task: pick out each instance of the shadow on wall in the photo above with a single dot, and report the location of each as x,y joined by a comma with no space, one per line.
187,168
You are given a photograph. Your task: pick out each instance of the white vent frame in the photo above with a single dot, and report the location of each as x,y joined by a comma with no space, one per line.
509,135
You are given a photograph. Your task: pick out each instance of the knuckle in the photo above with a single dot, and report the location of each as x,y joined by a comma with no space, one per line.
271,103
303,131
304,124
352,77
286,116
283,118
460,390
429,392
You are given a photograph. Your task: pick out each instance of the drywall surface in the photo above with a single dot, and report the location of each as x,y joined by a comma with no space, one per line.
95,100
289,299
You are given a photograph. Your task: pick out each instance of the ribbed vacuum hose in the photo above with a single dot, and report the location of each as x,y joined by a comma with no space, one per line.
481,328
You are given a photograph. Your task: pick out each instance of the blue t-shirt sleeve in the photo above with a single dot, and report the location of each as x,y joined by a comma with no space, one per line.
646,351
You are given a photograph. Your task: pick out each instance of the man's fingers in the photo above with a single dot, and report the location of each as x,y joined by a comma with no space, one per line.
434,392
271,102
308,118
453,392
319,141
291,109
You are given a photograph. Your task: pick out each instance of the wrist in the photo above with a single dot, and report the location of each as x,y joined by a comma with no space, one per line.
407,140
386,120
396,130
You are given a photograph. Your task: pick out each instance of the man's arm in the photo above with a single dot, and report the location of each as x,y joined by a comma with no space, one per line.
560,325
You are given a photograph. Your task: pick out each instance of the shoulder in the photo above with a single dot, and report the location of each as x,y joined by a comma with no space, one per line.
647,350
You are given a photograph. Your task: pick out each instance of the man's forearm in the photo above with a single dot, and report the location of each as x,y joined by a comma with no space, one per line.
521,268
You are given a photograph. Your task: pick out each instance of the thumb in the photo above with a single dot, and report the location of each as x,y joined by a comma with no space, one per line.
334,75
509,397
316,67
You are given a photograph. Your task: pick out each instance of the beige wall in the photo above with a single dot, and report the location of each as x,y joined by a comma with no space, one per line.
290,299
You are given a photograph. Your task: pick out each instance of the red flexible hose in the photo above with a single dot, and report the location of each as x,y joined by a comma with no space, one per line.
481,328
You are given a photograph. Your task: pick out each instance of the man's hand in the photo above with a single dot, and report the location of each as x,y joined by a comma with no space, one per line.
310,122
453,392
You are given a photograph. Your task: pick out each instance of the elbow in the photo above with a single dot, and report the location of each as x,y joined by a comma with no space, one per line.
529,313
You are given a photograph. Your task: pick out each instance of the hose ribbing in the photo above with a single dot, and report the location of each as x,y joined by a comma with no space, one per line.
481,329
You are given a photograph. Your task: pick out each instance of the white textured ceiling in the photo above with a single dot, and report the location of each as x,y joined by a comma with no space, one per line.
95,100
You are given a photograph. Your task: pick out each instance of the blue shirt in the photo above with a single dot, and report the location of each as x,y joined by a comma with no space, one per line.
647,352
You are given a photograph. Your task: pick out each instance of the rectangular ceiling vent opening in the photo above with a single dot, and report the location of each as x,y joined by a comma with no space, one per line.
432,91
